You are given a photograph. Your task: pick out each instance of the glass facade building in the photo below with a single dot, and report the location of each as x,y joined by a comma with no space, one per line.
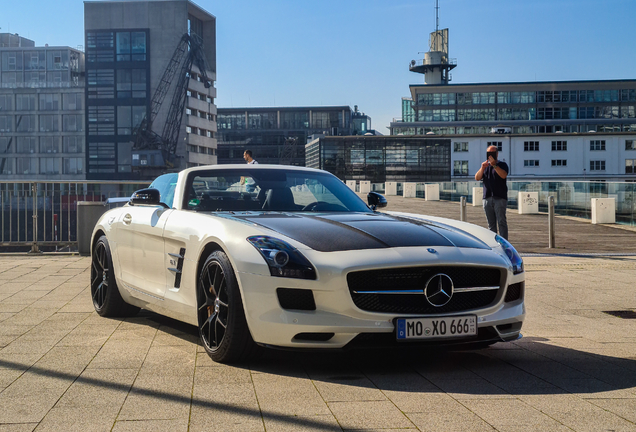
117,90
526,108
125,64
41,111
382,158
279,135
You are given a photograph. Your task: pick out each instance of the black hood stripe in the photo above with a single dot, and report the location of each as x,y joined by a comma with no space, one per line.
330,232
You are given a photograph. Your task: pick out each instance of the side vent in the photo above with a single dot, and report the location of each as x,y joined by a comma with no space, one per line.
177,270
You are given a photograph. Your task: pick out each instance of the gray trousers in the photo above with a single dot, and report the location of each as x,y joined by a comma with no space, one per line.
495,209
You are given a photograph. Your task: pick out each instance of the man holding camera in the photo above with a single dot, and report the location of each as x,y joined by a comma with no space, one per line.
493,173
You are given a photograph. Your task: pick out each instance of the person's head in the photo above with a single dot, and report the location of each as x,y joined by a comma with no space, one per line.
247,155
493,149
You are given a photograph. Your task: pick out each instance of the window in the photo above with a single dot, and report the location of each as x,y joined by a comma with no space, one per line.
598,165
26,123
460,168
191,148
497,144
531,146
26,165
73,144
49,123
25,145
73,165
460,146
630,166
6,123
49,165
128,118
49,102
72,101
25,102
131,83
531,163
49,145
597,145
559,162
6,102
630,144
559,145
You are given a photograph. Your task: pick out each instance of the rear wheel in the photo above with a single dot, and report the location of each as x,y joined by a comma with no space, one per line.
106,298
222,325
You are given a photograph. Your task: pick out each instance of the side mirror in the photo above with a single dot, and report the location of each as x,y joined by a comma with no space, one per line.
150,197
376,200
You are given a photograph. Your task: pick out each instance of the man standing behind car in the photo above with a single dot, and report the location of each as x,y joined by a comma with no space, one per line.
493,173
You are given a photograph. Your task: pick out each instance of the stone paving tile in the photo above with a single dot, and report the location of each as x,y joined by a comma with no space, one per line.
511,412
126,354
455,417
625,408
18,427
228,407
151,425
347,388
99,388
158,396
79,419
301,423
369,414
288,395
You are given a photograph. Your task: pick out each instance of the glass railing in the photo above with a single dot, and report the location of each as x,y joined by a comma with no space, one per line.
570,198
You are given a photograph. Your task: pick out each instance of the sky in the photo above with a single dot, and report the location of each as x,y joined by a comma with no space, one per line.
354,52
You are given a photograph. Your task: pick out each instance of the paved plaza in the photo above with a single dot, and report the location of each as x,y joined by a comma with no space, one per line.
64,368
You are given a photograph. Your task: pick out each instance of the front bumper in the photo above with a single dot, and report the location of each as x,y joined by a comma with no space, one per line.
336,314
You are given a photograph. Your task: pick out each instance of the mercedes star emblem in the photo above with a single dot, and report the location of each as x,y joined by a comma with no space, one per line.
439,290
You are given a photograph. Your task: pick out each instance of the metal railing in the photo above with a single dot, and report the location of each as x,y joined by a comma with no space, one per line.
570,198
43,214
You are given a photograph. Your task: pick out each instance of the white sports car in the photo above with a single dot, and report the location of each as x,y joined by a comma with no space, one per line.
290,257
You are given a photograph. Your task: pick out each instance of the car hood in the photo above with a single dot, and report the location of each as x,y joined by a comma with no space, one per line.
330,232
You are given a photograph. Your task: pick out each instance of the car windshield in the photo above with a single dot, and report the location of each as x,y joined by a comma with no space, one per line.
277,190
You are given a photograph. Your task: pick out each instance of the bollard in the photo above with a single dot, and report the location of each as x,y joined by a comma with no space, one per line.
34,246
551,222
462,209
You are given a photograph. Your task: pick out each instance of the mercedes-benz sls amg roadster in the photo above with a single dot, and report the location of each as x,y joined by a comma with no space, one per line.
289,257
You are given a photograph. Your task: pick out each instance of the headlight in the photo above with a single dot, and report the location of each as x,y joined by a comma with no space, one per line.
512,254
283,259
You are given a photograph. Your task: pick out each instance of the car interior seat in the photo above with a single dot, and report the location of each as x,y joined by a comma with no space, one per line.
280,199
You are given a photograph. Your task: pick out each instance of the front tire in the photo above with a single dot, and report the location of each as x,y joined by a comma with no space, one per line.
106,297
222,325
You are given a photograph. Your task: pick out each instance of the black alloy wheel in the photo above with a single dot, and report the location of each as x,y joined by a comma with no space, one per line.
222,325
106,297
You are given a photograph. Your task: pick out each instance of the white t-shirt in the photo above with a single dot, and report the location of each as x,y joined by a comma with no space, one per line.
253,162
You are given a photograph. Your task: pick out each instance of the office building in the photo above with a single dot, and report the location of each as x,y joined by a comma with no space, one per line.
278,135
129,46
382,158
41,111
565,130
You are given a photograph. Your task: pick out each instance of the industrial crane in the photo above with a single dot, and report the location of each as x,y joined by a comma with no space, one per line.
158,153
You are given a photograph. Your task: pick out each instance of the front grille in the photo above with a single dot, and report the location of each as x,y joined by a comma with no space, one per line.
514,292
415,278
298,299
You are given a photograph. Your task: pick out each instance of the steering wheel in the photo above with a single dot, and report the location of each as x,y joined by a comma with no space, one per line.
314,205
323,206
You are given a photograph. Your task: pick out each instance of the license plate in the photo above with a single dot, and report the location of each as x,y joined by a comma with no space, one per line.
440,327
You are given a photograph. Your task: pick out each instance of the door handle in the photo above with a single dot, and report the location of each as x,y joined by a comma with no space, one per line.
127,219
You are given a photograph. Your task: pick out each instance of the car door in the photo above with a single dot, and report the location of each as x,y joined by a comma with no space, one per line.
141,249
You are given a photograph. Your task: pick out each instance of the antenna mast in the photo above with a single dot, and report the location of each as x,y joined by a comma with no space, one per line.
436,16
